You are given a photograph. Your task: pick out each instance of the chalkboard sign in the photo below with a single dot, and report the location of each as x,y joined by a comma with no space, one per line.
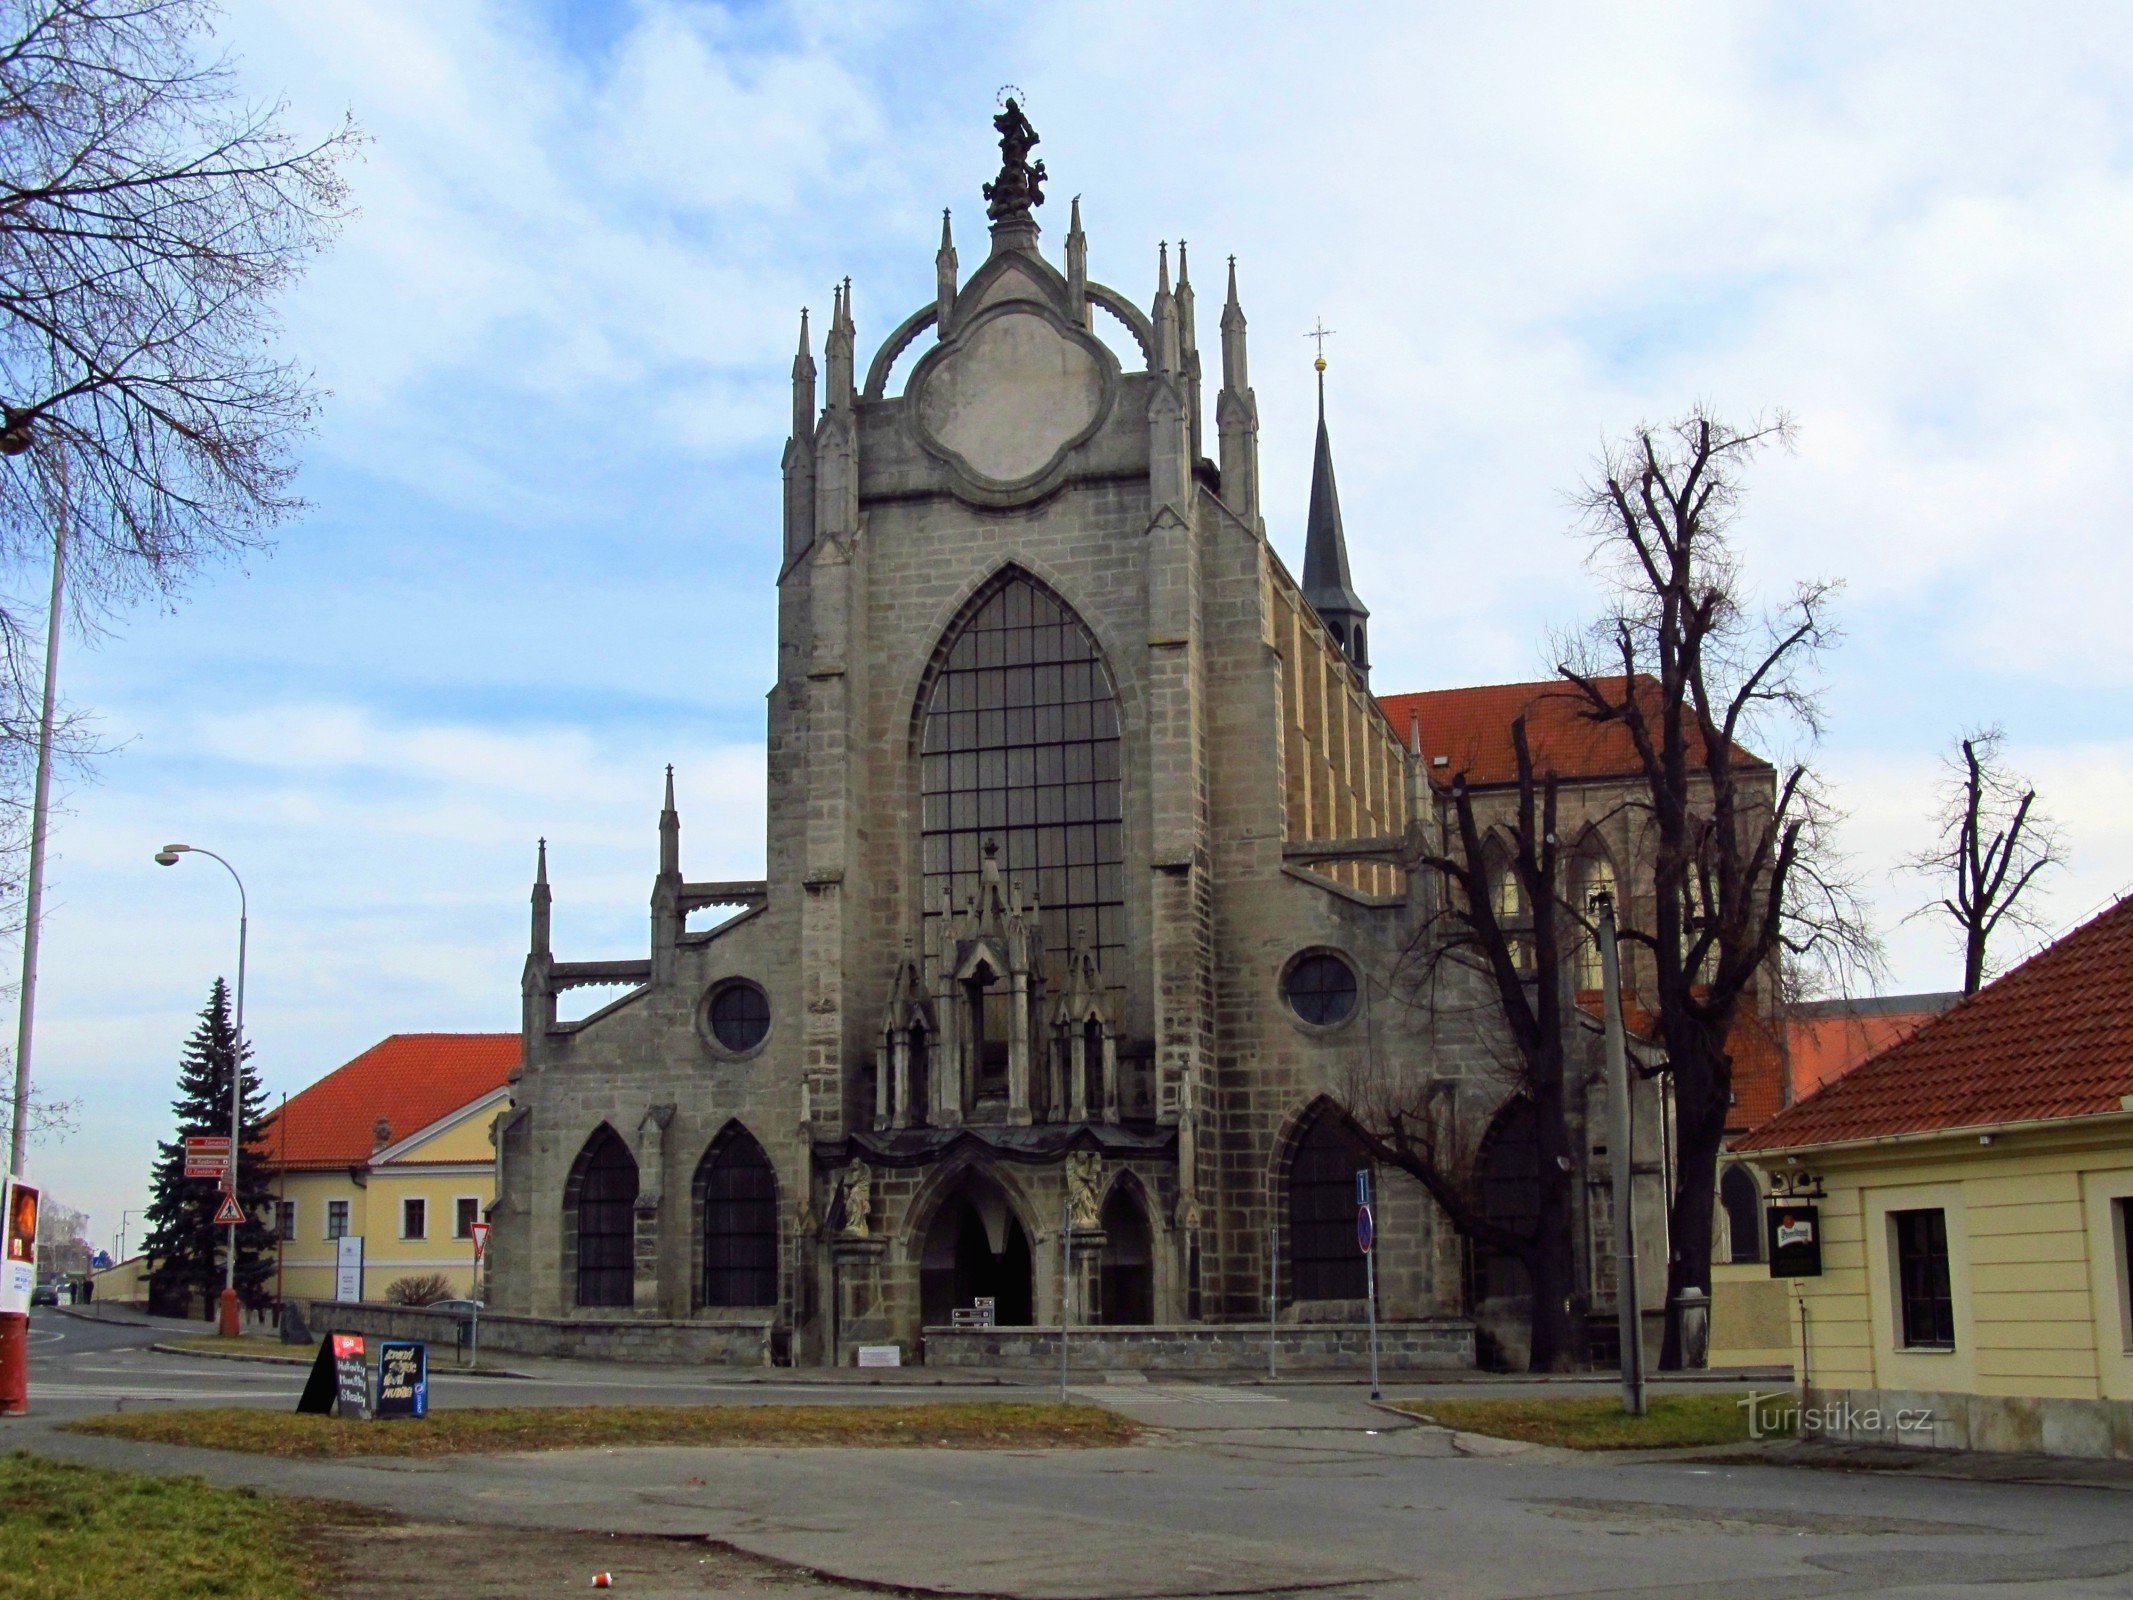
340,1379
403,1379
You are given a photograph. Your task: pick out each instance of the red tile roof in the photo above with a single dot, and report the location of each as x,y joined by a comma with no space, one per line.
1471,728
1827,1038
2051,1039
410,1079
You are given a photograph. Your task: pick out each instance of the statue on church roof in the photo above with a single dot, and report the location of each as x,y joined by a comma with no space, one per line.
1020,184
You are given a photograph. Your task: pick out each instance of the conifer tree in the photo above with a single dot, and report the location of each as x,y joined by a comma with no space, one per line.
184,1247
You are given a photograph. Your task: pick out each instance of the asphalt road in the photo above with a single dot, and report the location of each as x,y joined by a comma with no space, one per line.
1242,1490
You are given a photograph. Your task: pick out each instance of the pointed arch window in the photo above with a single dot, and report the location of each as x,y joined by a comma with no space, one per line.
605,1206
1325,1260
738,1191
1019,743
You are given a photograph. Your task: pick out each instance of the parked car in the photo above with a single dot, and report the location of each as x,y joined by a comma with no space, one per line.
45,1294
457,1308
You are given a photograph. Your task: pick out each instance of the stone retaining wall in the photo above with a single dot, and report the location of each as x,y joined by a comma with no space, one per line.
727,1342
1438,1344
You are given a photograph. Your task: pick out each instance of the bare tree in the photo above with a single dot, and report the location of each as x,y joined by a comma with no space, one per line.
148,220
1994,843
1515,942
1740,851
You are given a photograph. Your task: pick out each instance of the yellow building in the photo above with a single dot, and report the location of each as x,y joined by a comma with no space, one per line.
392,1149
1971,1191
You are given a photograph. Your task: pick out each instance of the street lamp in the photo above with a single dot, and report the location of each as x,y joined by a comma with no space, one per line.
168,857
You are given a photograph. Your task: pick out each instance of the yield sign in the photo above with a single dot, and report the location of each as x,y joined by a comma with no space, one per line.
480,1230
229,1214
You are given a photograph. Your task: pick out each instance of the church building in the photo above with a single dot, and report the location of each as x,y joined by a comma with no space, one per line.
1084,908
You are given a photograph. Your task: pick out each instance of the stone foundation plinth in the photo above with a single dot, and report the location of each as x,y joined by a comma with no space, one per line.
1225,1347
727,1342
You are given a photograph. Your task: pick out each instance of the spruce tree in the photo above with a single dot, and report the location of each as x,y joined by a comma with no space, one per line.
184,1247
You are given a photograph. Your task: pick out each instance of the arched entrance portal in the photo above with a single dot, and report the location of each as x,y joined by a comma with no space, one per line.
1126,1273
975,1249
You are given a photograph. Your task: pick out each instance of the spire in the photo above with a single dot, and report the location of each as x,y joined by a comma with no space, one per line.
1164,314
1077,265
1189,354
541,902
945,276
837,348
669,833
1237,414
803,385
1325,569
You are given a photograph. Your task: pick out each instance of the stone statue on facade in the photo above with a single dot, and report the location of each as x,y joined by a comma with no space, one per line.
1084,1176
1020,184
856,1188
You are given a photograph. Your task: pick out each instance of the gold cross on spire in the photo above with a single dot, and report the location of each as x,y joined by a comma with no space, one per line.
1321,333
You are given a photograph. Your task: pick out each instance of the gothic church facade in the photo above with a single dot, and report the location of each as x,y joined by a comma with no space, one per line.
1082,904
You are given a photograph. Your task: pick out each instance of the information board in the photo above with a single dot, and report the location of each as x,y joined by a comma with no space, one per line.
348,1268
403,1378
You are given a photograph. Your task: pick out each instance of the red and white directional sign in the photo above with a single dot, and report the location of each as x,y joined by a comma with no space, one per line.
480,1231
229,1214
207,1155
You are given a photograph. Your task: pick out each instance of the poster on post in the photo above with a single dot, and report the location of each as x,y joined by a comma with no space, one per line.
403,1378
18,1255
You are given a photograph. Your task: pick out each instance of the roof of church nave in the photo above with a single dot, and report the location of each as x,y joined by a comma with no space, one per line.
1471,730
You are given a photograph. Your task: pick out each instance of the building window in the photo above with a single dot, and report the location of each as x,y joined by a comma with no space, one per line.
336,1219
740,1209
1507,899
604,1197
414,1219
1019,744
1744,1214
285,1219
1592,875
466,1211
1320,988
739,1015
1928,1305
2123,1214
1325,1259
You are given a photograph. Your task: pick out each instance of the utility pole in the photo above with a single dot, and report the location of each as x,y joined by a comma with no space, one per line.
1619,1134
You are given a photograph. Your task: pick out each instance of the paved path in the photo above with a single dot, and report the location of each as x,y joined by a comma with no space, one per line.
1242,1490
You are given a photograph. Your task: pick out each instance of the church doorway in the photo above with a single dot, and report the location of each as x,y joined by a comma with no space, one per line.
1126,1273
975,1248
1325,1261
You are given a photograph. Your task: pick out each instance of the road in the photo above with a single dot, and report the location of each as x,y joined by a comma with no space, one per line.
1242,1490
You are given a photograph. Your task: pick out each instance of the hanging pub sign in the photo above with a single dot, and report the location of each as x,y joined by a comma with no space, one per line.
340,1379
1795,1240
403,1378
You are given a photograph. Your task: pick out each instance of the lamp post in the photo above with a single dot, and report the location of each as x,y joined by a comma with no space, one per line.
168,857
1620,1133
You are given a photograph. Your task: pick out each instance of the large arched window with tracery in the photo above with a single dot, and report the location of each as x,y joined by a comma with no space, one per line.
1019,743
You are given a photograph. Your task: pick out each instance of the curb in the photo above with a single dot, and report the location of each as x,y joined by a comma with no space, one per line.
305,1361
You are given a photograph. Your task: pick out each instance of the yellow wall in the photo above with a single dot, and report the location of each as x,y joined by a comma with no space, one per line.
457,1162
1752,1316
2037,1270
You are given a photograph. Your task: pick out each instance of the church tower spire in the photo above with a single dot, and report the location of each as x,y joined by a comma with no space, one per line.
1325,570
1077,265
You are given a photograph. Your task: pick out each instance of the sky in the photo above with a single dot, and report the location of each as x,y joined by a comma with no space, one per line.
539,559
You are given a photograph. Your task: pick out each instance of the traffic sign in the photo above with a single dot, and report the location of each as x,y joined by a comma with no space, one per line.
229,1214
1362,1187
207,1155
480,1231
1366,1232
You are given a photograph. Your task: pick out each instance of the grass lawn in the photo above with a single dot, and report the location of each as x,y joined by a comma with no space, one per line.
1596,1422
963,1425
84,1533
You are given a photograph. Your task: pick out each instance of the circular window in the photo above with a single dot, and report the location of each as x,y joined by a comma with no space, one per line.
1320,989
739,1014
